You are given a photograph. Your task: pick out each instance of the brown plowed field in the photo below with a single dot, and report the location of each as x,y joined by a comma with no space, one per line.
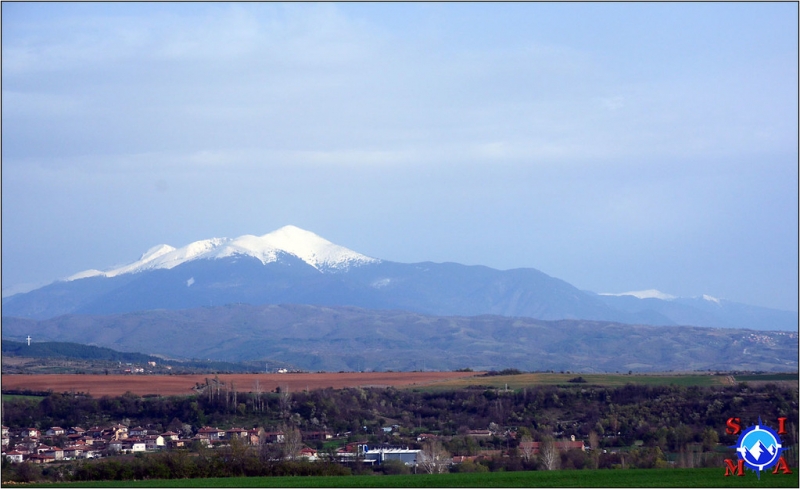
168,385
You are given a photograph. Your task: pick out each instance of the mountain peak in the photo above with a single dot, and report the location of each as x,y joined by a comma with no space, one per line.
305,245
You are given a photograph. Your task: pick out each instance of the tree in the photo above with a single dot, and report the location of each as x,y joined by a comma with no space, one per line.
292,441
526,447
433,459
710,439
548,451
594,443
285,401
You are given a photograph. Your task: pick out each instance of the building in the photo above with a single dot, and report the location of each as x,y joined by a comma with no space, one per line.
15,456
381,455
55,431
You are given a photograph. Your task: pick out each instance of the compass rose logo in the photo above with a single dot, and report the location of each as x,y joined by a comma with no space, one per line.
759,447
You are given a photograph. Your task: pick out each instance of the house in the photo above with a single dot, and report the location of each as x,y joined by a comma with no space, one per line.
73,451
479,433
426,437
177,443
137,431
88,441
239,433
154,442
15,456
30,433
317,435
55,431
212,434
170,435
92,453
56,452
27,443
41,459
274,437
42,448
309,454
75,437
201,440
134,445
76,430
117,432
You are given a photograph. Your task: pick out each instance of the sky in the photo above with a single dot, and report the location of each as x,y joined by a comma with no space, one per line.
618,147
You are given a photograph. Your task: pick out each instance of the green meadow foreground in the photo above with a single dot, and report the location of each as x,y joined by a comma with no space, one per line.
708,477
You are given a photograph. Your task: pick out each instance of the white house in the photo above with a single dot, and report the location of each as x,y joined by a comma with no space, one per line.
15,456
154,442
135,446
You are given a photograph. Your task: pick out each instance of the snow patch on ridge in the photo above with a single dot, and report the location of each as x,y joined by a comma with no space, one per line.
645,294
312,249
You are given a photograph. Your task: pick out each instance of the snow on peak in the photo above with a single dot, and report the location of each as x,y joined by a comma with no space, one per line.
314,250
305,245
645,294
710,299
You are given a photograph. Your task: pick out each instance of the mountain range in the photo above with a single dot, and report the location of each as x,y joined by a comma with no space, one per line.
348,338
294,266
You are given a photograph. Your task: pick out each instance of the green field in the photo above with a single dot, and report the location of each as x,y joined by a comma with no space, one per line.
529,380
766,377
563,478
10,397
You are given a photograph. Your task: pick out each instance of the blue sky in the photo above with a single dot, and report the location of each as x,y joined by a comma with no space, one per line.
616,146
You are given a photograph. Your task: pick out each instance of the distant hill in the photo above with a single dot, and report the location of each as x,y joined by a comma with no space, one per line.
348,338
53,349
102,358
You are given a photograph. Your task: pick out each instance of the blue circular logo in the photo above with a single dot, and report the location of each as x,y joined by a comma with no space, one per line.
759,446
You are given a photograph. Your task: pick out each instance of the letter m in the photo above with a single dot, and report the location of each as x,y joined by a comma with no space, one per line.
731,469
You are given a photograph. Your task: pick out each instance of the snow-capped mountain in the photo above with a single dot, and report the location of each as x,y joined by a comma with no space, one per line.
305,245
294,266
655,307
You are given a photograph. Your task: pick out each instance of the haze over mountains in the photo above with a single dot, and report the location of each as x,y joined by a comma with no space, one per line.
348,338
294,266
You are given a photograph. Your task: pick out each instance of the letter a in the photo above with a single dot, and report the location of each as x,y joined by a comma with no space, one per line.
730,469
782,466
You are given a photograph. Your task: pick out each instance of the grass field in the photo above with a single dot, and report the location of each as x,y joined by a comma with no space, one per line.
529,380
766,377
10,397
562,478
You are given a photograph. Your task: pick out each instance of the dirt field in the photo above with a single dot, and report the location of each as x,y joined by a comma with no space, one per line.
167,385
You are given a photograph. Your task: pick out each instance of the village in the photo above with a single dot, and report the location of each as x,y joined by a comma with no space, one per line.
57,444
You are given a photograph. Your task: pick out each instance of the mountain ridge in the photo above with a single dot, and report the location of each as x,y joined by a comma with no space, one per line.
291,265
334,338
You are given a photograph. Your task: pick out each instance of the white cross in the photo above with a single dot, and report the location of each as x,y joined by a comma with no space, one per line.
29,340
